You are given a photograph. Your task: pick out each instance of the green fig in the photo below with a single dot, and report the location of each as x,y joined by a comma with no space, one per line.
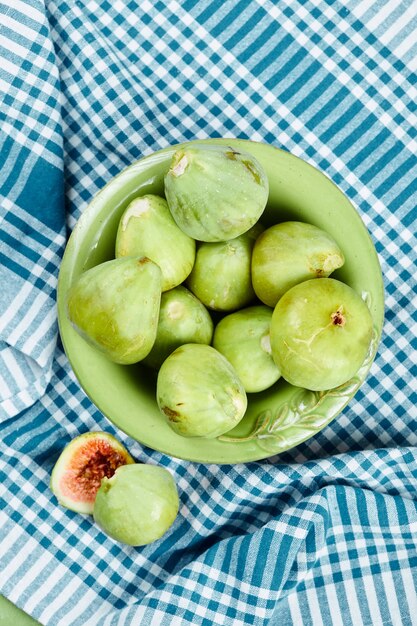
137,505
287,254
221,276
182,319
214,192
243,338
320,334
148,229
199,392
115,307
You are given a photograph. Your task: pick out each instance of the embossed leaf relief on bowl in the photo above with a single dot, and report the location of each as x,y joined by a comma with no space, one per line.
276,419
306,413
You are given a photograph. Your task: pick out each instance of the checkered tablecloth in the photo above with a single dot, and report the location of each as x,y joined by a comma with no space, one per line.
323,535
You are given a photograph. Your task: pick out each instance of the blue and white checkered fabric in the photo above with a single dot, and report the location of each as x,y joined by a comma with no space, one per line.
325,534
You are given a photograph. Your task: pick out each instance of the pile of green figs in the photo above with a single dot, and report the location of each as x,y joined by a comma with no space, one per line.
218,304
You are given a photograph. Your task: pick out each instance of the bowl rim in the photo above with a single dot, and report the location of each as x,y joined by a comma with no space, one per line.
90,214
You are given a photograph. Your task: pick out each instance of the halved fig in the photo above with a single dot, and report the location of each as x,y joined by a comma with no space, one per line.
81,466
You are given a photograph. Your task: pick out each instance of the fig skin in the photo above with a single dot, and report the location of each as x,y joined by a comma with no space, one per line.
82,464
199,392
221,276
243,338
137,505
320,334
115,306
148,229
182,319
289,253
214,192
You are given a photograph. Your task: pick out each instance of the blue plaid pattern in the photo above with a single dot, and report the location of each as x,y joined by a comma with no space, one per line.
323,534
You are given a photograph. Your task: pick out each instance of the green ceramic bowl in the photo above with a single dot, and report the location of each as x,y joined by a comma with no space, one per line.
276,419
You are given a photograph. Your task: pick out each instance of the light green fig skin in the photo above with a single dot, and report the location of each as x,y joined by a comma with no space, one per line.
147,228
182,319
289,253
137,505
320,334
221,276
214,192
115,307
199,392
243,338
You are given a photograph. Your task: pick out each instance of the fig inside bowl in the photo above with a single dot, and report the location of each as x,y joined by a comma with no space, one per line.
276,419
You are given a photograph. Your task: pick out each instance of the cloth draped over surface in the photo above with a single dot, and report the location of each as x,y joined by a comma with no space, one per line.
323,534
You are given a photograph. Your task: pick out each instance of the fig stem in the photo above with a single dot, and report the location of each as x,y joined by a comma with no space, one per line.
180,166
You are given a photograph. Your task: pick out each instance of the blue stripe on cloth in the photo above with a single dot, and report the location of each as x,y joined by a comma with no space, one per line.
32,210
42,192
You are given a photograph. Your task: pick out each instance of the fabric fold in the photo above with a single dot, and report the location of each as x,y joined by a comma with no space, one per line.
32,218
321,535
